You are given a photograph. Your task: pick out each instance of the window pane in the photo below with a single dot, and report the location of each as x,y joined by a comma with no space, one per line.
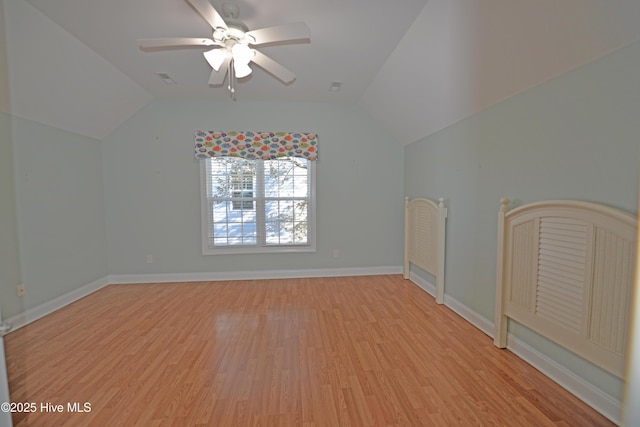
286,232
280,233
220,229
301,187
229,174
220,241
286,222
300,210
271,210
272,225
220,210
300,229
286,177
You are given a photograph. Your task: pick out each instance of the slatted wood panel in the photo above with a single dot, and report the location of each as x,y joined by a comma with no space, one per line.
525,257
357,351
423,237
609,312
562,274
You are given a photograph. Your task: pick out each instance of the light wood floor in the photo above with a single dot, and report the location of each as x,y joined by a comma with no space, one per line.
355,351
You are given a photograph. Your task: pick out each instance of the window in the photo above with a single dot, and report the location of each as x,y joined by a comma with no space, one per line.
241,189
252,206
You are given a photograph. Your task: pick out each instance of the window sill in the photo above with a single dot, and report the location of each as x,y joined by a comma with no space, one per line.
234,250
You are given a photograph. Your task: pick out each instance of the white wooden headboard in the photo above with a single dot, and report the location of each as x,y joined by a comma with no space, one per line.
424,239
565,270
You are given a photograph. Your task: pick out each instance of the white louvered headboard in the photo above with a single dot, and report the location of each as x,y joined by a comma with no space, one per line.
565,270
424,239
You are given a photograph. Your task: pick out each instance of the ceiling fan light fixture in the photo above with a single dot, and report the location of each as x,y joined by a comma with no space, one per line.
215,58
241,53
241,70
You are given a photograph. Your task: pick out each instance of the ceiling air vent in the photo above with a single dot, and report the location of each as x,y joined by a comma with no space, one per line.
335,86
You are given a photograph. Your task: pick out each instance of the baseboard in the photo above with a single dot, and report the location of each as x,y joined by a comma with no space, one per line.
48,307
252,275
460,309
583,390
423,284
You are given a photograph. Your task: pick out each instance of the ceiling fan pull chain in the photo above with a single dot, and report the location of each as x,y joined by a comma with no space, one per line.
232,81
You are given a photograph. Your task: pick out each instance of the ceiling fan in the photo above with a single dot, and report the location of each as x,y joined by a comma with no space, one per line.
232,40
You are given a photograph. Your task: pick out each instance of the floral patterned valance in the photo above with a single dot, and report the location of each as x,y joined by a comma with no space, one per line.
256,145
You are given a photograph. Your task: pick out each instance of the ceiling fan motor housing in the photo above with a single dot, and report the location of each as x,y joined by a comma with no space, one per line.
236,31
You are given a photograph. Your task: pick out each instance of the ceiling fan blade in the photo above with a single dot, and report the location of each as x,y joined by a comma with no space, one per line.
174,42
209,13
217,77
279,33
272,67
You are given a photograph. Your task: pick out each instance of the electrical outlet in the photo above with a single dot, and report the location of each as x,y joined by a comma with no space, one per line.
336,253
149,259
20,290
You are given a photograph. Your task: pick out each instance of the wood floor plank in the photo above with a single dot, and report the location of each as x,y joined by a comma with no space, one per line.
353,351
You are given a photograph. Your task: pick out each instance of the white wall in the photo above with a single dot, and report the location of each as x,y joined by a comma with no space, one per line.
575,137
152,187
9,250
60,208
4,66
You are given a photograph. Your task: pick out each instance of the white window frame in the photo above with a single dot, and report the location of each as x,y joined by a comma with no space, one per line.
310,246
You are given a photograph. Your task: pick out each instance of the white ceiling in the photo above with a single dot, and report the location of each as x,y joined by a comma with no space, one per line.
417,66
350,40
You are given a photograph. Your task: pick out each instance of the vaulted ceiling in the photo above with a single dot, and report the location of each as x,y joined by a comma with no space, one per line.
417,66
